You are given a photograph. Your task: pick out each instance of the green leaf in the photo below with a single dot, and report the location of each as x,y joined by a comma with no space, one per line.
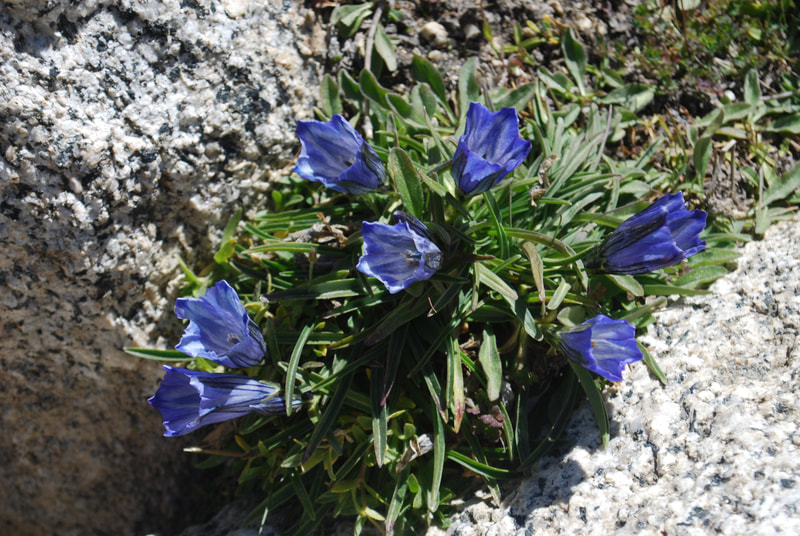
225,252
435,390
424,71
714,256
752,91
537,268
353,460
329,417
439,449
651,364
559,295
294,361
455,383
642,314
431,105
379,433
494,212
486,471
575,58
731,112
350,17
271,338
542,239
229,233
280,245
627,283
328,290
372,89
384,47
400,315
158,355
379,414
407,182
733,132
494,282
701,157
401,486
789,124
228,241
783,187
634,97
517,98
329,96
350,86
491,364
595,400
700,276
468,90
671,290
435,187
527,321
302,495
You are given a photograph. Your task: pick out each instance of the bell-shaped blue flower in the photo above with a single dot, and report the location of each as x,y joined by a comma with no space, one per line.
219,329
189,399
334,154
400,254
489,150
602,345
663,234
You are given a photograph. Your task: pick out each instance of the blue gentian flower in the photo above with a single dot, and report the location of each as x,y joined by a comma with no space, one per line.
489,150
602,345
400,254
189,399
219,329
661,235
334,154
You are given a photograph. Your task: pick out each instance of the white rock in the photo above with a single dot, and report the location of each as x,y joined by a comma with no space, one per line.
435,33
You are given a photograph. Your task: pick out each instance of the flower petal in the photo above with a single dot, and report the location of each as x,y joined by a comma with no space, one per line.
602,345
489,149
661,235
397,255
334,154
219,328
189,399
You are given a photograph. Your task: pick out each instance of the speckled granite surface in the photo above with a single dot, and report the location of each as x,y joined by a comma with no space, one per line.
129,132
716,451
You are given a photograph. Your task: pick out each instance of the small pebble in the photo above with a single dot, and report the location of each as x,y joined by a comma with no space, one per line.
235,8
471,32
434,33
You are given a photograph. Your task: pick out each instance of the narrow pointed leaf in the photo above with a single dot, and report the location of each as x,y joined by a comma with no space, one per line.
495,282
294,361
651,364
159,355
575,58
329,96
384,47
439,455
407,182
328,418
537,268
491,365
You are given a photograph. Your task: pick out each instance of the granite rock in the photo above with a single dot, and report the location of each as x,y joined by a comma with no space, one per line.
129,132
713,451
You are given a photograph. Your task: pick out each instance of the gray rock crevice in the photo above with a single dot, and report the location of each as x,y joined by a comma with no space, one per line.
129,133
